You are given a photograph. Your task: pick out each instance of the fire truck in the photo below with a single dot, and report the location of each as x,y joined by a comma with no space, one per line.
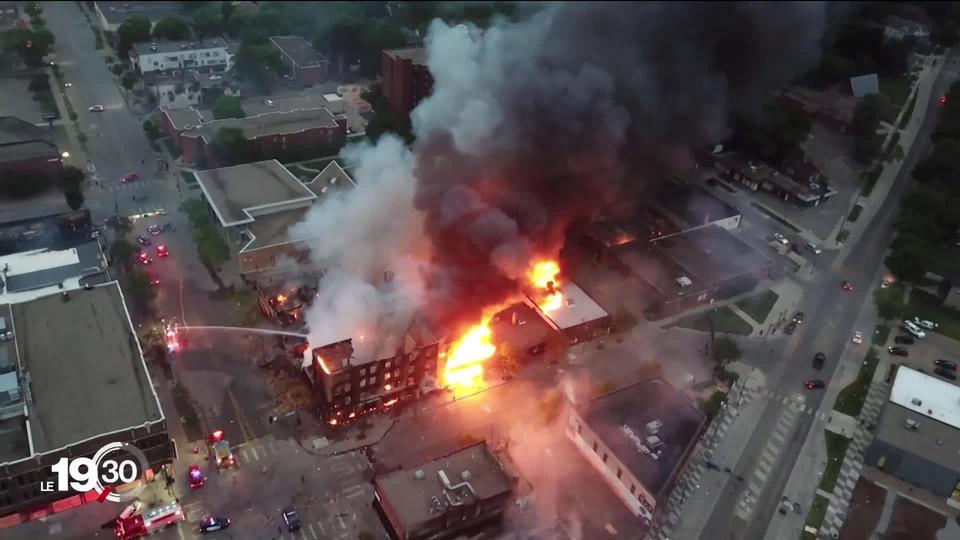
139,525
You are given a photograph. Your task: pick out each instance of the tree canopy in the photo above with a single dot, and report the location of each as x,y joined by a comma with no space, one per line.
172,29
133,30
228,107
30,45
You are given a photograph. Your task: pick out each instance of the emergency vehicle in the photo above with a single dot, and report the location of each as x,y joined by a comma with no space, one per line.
221,450
139,525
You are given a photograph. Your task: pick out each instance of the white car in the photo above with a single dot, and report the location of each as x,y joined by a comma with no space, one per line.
215,77
814,248
857,338
67,85
923,323
781,238
914,330
96,108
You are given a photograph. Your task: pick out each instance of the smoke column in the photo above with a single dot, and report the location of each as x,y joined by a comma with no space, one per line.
536,123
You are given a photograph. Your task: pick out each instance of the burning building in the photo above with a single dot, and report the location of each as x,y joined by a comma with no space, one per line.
350,385
564,306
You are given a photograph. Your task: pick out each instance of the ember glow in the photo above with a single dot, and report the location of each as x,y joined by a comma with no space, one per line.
544,276
281,299
466,357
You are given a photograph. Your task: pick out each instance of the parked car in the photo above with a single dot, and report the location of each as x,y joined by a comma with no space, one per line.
857,338
96,108
144,258
129,177
814,248
162,251
291,518
144,241
946,373
790,328
903,340
914,330
780,238
798,318
814,384
923,323
846,285
212,524
153,229
196,477
818,360
898,351
946,364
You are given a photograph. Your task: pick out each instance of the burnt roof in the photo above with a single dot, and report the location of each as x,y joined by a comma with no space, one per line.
693,204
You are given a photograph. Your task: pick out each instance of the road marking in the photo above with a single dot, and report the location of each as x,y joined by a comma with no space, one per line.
755,488
255,455
241,418
343,524
765,465
769,452
782,430
321,527
760,475
312,532
777,437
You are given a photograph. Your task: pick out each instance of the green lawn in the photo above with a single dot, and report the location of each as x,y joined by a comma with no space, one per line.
759,306
836,450
850,399
927,306
817,511
880,335
725,321
896,88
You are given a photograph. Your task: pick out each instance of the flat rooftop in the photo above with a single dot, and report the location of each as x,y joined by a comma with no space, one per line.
417,55
576,308
620,419
652,266
712,254
184,117
411,497
693,204
274,229
176,46
298,50
234,192
927,395
14,130
86,369
43,268
330,180
269,123
529,331
117,12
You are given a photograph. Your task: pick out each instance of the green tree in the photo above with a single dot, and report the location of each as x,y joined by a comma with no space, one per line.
172,29
122,252
74,199
151,130
142,293
71,179
725,350
33,9
712,406
128,80
867,115
133,30
887,307
210,245
208,20
228,107
909,258
31,45
383,120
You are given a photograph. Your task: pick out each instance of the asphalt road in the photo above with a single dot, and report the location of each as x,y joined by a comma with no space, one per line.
831,315
116,143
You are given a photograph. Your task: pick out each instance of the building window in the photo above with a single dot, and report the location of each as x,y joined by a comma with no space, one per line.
346,401
371,381
594,446
387,376
410,380
633,489
363,383
373,368
619,473
604,457
363,371
396,372
387,365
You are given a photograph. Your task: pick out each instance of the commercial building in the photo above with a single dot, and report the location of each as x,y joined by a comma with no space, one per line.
460,493
272,133
639,439
356,377
39,226
680,271
27,149
918,433
59,350
522,329
306,65
572,313
691,207
9,12
406,79
257,203
189,88
112,14
174,57
756,176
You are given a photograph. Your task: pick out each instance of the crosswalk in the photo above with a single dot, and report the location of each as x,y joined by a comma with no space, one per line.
115,186
251,452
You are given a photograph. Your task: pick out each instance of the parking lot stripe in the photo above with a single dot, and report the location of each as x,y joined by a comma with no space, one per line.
777,437
343,524
769,455
321,527
313,533
760,475
255,455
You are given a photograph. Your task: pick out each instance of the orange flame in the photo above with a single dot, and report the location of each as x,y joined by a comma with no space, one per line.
544,275
281,298
551,302
466,357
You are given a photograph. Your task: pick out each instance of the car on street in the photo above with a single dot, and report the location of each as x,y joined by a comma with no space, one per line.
780,238
814,384
814,248
144,258
946,373
221,449
213,524
291,518
67,85
857,338
216,77
946,364
196,477
790,328
798,318
924,323
903,340
154,229
129,177
898,351
96,108
914,330
162,251
818,360
154,280
144,241
846,285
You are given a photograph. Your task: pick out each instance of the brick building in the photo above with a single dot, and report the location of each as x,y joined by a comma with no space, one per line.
455,494
273,132
306,65
27,149
406,79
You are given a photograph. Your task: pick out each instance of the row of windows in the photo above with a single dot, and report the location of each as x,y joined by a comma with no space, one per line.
596,449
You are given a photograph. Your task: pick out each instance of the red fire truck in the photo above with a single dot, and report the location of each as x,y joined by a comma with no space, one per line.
139,525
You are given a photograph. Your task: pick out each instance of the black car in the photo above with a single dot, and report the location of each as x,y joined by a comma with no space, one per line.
798,318
815,384
946,373
291,518
790,328
946,364
144,241
899,351
212,524
818,360
903,340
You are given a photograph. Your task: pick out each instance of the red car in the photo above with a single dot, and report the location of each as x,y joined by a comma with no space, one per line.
847,286
144,258
129,177
196,477
162,251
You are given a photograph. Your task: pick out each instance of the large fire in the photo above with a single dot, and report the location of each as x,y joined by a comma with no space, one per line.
466,357
544,276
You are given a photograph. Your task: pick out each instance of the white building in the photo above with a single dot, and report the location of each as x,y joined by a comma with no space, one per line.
189,88
174,56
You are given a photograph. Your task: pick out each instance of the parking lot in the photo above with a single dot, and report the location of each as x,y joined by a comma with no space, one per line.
924,352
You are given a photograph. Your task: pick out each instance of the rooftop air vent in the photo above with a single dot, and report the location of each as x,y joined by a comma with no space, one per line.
419,474
333,180
466,476
911,424
683,282
916,402
654,426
